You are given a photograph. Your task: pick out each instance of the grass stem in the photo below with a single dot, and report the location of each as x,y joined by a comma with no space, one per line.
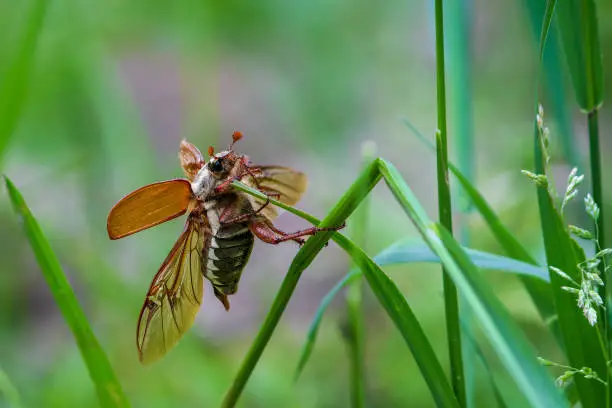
451,303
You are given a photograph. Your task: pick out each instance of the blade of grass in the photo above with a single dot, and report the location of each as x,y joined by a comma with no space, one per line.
9,391
582,343
509,343
597,188
540,293
405,253
451,301
554,79
506,339
108,388
471,342
354,327
14,88
578,27
364,183
458,47
387,293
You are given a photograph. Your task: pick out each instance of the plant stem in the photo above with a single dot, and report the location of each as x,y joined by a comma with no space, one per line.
354,335
596,186
444,210
354,326
596,181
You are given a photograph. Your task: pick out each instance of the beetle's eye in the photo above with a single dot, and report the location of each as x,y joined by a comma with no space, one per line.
215,166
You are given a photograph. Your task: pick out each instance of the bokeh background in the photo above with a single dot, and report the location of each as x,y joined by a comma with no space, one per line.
116,86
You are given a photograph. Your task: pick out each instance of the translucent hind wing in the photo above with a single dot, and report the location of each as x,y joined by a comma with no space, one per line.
281,183
175,295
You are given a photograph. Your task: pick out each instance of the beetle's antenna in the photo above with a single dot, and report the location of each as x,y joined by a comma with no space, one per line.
236,136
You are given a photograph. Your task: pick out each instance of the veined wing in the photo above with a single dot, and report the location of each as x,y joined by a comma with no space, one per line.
175,294
281,183
148,206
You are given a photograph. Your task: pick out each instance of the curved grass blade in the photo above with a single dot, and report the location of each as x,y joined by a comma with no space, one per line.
107,386
406,252
411,252
390,297
578,27
507,340
540,293
14,87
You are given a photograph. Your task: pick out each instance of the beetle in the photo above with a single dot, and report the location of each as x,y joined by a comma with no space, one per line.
217,239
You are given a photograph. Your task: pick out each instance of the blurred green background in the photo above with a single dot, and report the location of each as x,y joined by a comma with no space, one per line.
114,87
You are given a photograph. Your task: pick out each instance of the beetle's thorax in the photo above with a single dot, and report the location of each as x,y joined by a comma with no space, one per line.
206,180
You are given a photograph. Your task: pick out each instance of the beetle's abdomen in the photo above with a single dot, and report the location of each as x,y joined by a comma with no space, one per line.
228,254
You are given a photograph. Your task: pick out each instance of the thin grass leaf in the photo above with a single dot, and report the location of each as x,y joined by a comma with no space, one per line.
507,340
546,22
458,48
364,183
578,27
475,348
9,391
540,293
451,299
387,293
107,386
353,327
14,86
553,76
406,322
405,253
581,344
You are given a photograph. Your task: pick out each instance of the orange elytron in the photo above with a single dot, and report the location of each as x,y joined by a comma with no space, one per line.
216,242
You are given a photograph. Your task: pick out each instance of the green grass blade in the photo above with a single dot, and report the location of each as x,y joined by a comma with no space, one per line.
461,113
410,252
346,205
578,27
553,76
540,293
580,339
405,253
14,86
451,299
386,291
470,342
406,322
597,188
507,340
8,391
546,23
353,328
108,388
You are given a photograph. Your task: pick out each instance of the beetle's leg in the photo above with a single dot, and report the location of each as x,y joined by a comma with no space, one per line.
270,234
227,217
223,187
